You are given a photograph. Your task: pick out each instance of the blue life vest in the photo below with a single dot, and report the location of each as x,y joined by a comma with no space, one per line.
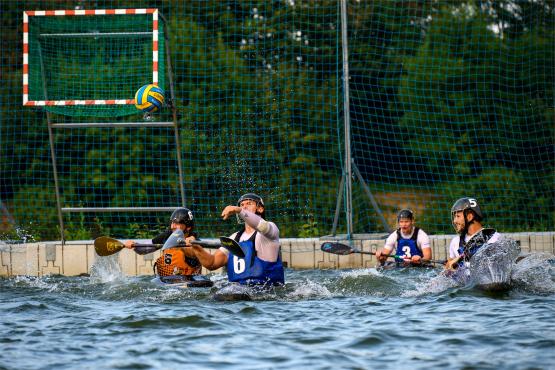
251,270
408,247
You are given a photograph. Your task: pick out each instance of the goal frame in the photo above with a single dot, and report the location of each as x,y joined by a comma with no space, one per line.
77,13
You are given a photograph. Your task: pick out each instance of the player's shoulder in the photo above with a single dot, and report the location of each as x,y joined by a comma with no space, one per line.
421,232
456,240
393,235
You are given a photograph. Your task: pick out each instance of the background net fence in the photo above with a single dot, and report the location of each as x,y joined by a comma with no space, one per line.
447,99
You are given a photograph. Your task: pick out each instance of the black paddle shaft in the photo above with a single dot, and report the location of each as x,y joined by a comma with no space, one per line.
343,250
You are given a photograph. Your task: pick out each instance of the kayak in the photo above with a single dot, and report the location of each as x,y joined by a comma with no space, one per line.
233,292
392,265
184,281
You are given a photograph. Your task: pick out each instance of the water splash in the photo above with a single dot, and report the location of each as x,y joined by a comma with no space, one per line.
36,282
106,269
435,285
359,272
493,263
17,235
309,289
535,273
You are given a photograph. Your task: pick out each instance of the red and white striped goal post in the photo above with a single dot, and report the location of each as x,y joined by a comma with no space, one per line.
84,12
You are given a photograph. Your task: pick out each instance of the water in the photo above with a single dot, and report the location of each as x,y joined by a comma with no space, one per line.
322,319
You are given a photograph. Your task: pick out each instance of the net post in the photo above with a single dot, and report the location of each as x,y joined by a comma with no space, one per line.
346,121
174,110
338,205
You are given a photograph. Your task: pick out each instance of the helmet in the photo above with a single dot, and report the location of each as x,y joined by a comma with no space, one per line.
467,203
251,196
257,199
405,213
182,216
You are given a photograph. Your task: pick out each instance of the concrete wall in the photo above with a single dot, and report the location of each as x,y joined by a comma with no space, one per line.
77,258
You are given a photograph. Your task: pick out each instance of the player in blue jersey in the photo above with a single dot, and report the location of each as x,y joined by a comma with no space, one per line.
408,241
258,238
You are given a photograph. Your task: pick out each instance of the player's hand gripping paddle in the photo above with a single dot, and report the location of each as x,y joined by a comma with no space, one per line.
343,249
106,246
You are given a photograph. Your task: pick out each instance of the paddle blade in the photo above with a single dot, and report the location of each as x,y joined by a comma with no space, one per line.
106,246
176,238
336,248
232,246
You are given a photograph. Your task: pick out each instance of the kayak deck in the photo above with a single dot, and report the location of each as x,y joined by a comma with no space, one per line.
184,281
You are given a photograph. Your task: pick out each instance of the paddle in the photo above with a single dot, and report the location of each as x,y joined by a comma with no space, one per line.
178,238
106,246
343,249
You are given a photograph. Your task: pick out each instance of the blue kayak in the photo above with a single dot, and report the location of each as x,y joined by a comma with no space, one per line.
184,281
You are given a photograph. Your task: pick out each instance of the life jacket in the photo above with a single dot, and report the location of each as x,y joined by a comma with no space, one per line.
174,262
408,247
469,248
251,270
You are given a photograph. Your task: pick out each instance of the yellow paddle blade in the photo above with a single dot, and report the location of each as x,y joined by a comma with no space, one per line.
106,246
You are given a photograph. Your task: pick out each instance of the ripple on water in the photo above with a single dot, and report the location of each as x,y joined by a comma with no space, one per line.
189,321
319,320
22,307
370,340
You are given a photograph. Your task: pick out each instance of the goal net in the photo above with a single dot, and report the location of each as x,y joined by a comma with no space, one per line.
91,62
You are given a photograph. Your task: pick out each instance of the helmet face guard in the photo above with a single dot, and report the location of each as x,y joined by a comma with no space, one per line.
182,216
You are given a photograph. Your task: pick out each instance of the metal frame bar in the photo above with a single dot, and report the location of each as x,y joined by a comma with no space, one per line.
346,121
346,185
51,126
116,209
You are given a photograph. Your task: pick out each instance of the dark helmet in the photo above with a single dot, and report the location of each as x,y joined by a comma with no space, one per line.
470,204
257,199
405,213
251,196
182,216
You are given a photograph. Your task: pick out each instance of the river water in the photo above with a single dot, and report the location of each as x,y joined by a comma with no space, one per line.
321,319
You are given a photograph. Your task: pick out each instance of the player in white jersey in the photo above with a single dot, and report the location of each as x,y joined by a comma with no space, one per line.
467,217
408,241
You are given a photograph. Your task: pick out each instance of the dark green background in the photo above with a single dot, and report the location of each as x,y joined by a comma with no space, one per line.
447,99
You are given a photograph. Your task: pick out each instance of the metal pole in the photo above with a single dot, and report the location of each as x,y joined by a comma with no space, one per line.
338,205
52,154
174,111
347,120
372,199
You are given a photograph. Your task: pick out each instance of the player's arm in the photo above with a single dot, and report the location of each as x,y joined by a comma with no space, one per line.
208,260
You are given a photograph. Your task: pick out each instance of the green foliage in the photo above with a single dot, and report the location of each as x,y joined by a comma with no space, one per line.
309,230
137,231
447,99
